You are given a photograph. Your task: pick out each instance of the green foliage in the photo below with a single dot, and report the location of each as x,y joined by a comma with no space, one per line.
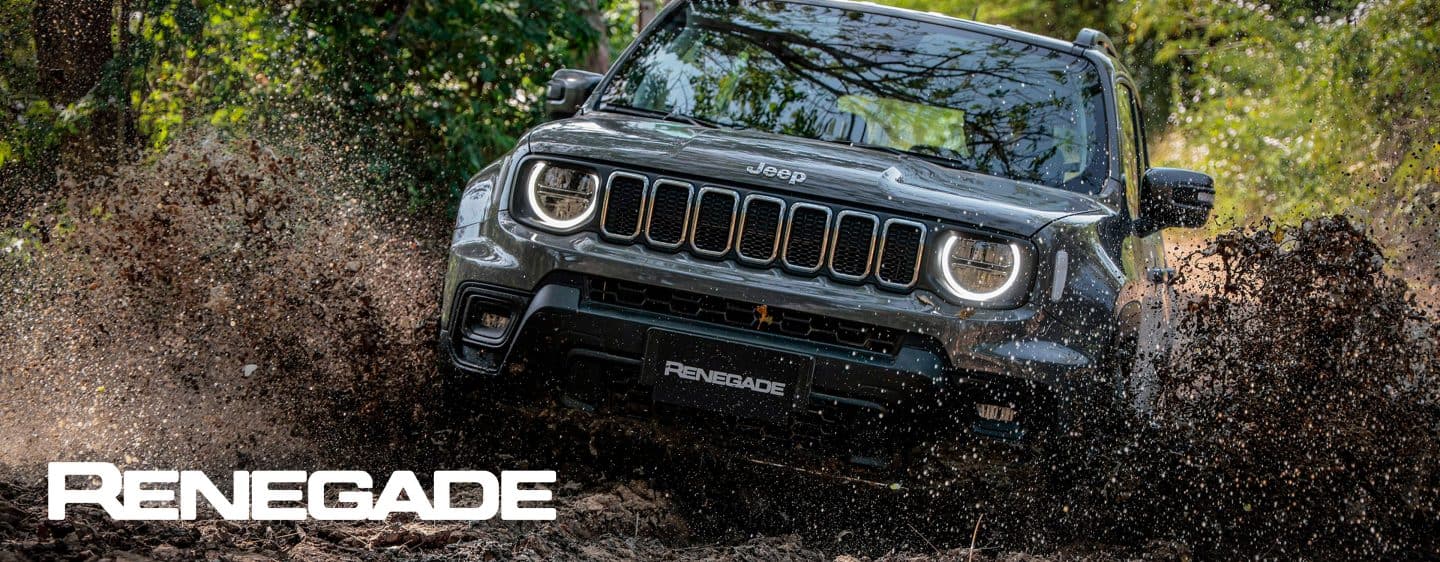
1303,108
430,90
27,124
427,90
620,20
451,82
216,63
1055,18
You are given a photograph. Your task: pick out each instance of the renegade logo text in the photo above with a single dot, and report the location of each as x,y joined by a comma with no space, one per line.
721,378
268,495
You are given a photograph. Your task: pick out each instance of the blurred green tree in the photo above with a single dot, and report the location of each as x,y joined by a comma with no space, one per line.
432,89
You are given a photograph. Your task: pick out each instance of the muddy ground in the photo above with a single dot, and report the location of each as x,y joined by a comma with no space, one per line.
234,304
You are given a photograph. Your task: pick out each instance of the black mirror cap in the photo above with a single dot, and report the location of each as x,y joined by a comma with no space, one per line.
1172,197
567,91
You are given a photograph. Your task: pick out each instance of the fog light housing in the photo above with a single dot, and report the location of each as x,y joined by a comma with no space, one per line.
487,321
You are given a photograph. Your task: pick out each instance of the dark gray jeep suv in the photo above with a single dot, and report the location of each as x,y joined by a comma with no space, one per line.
827,226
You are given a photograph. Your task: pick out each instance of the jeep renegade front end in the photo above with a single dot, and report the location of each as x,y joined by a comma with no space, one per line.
833,223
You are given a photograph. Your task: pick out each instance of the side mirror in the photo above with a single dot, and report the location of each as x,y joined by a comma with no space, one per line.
1171,197
568,90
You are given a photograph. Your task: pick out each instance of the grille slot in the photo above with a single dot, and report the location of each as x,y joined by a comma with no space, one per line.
714,221
853,246
901,245
805,239
760,229
624,201
669,213
745,315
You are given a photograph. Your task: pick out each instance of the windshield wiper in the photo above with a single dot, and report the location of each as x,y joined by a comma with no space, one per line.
875,147
675,115
935,158
672,115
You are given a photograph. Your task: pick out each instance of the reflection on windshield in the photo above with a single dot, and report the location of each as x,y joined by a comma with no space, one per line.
961,98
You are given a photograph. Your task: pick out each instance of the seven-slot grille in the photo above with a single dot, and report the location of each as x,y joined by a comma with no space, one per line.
763,231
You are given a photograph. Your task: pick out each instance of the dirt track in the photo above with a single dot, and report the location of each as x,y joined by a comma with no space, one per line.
233,306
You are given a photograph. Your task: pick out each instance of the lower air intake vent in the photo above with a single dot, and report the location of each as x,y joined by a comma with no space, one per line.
744,315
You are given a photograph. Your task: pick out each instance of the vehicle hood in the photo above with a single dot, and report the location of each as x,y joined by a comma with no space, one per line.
853,176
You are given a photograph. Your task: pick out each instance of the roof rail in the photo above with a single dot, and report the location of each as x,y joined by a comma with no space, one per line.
1095,39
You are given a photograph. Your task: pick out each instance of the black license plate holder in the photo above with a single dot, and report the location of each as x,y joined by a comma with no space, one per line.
726,377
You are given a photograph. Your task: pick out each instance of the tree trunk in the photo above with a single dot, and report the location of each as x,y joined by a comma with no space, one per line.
598,59
72,45
645,14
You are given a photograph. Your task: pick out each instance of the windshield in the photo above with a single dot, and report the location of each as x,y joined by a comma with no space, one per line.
957,98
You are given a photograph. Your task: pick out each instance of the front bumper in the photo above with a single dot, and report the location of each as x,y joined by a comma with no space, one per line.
867,404
939,371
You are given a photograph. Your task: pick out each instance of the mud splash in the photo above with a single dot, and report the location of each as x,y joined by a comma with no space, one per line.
223,305
245,305
1301,415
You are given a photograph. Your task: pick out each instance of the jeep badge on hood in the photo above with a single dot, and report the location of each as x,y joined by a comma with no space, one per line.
763,169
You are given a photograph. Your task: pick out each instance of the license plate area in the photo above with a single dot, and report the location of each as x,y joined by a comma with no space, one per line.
724,377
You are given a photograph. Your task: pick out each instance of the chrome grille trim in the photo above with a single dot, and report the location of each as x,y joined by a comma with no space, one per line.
695,219
789,232
919,254
775,237
639,211
684,221
835,242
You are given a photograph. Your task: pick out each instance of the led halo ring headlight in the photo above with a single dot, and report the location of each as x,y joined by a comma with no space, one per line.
977,269
561,196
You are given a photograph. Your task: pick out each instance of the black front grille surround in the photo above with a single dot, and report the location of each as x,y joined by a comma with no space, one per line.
761,223
853,245
714,222
740,314
668,219
756,229
902,244
627,193
806,237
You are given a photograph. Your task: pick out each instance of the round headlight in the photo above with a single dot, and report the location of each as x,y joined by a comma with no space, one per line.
560,195
979,270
